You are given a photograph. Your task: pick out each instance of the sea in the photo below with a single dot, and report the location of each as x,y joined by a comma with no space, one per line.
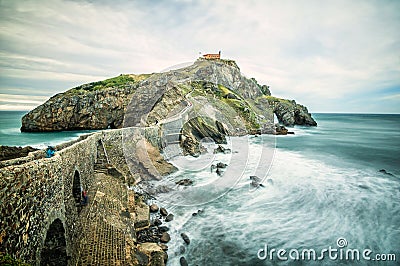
322,192
330,194
10,134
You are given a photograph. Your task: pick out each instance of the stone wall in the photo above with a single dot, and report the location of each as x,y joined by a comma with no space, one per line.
36,193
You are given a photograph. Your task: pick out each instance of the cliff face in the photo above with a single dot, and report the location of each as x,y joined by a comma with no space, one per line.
96,105
290,113
212,88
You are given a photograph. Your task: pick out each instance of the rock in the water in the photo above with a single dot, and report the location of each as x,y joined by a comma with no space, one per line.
282,130
255,181
185,238
154,208
213,166
221,149
383,171
163,229
219,172
255,178
165,238
157,222
221,165
256,184
163,212
184,182
197,213
183,261
169,217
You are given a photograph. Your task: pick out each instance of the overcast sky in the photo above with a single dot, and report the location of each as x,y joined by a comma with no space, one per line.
332,56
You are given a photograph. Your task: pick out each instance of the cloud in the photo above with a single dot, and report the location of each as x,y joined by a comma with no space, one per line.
20,102
319,53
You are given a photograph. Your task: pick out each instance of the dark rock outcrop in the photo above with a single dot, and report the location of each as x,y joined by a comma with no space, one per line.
197,129
184,182
183,261
221,149
383,171
157,222
282,130
221,165
169,217
185,238
163,212
290,113
256,181
11,152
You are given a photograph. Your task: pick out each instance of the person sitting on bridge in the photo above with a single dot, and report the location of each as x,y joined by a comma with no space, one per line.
50,151
85,197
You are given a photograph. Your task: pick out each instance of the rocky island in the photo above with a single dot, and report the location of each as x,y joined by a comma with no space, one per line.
144,100
103,104
151,118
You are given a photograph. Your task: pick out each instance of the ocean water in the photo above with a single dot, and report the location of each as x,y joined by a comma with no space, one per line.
10,134
321,185
322,189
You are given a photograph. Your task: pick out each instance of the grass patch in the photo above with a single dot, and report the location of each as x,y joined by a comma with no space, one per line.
272,99
116,82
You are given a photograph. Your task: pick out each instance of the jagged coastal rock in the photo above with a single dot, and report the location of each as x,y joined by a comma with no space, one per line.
290,113
10,152
236,105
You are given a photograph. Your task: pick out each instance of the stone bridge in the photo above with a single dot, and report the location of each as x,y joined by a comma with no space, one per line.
42,220
38,201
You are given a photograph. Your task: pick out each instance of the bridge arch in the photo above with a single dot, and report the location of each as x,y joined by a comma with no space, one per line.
77,186
54,251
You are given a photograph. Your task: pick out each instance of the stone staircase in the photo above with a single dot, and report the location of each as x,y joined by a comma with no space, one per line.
100,166
171,138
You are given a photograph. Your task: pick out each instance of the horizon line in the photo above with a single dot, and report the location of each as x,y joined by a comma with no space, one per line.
319,112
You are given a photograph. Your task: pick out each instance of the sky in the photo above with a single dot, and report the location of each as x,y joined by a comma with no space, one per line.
332,56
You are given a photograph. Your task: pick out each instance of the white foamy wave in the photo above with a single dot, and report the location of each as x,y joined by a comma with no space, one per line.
307,203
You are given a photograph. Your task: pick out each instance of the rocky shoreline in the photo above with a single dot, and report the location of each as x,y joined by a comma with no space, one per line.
157,232
13,152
